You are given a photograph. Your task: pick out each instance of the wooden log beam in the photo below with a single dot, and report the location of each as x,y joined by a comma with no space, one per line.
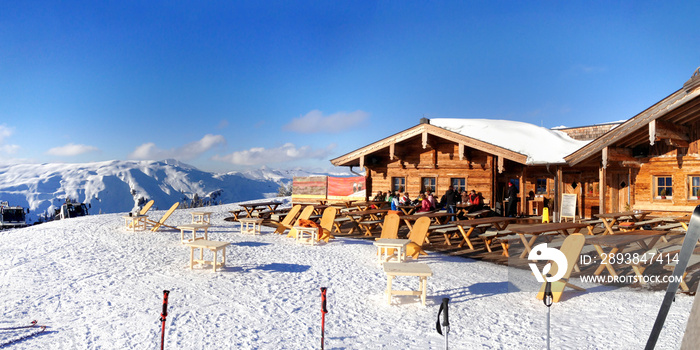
501,168
392,147
461,151
674,134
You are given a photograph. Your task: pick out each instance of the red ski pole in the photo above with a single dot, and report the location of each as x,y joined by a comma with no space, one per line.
324,311
163,315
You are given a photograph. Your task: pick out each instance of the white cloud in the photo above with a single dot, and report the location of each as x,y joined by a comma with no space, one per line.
285,153
71,150
315,121
6,132
189,151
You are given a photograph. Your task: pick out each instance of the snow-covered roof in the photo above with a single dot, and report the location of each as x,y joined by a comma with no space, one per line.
539,144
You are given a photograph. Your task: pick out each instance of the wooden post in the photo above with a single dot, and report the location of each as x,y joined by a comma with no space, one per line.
560,190
602,186
523,173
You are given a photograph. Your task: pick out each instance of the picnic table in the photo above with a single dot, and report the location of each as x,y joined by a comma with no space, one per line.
541,229
408,209
258,207
497,222
367,204
618,243
611,219
346,203
365,219
435,216
463,208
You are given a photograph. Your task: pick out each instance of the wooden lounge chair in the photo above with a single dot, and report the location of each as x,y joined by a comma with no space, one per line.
157,224
417,237
572,246
288,220
327,221
305,215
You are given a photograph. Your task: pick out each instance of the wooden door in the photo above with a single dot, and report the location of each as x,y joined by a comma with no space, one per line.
619,200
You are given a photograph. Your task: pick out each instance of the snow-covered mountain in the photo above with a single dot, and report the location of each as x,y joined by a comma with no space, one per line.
119,186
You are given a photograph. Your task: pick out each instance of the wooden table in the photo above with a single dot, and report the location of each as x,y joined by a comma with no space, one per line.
497,222
252,208
213,246
384,245
408,209
366,204
246,225
135,222
463,208
618,243
540,229
435,217
303,232
194,228
420,270
201,217
359,218
610,219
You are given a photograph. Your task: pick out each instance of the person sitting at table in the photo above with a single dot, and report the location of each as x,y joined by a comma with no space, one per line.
429,196
389,196
475,200
465,196
395,203
379,197
405,199
425,204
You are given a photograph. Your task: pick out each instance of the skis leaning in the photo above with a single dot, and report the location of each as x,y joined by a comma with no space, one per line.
689,242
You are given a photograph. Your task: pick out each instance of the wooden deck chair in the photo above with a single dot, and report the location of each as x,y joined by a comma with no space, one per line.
572,250
327,221
417,236
157,224
390,229
288,219
305,215
144,210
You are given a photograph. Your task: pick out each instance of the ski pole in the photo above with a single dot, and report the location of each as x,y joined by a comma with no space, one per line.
163,315
324,311
548,299
445,319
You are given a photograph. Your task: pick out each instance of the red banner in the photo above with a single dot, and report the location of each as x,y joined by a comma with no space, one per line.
346,188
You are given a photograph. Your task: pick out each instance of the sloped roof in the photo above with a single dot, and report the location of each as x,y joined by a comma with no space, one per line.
517,141
539,144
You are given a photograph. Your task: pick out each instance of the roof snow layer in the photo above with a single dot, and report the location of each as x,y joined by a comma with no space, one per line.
539,144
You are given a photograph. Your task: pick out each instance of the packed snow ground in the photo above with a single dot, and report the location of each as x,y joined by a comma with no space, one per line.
98,286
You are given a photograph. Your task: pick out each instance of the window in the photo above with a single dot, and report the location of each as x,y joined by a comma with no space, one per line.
694,191
428,184
398,183
541,186
459,184
664,187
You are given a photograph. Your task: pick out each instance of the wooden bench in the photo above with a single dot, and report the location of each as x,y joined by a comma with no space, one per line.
491,236
213,246
419,270
235,214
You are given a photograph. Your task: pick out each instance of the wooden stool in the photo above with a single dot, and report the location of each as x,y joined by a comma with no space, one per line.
194,228
246,225
415,269
383,246
213,246
201,217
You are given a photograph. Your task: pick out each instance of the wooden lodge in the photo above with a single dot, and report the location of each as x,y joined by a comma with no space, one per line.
649,162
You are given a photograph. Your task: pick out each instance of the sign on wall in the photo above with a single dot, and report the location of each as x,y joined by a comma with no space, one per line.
346,188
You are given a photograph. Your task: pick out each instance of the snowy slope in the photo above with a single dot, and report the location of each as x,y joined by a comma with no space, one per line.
117,186
98,286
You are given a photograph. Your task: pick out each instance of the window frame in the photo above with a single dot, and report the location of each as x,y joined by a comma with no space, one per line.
401,186
433,184
656,187
461,187
537,185
690,187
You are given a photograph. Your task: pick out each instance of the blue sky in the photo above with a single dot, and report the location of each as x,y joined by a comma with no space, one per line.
233,85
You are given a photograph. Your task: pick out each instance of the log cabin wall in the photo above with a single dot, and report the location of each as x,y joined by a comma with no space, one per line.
439,160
